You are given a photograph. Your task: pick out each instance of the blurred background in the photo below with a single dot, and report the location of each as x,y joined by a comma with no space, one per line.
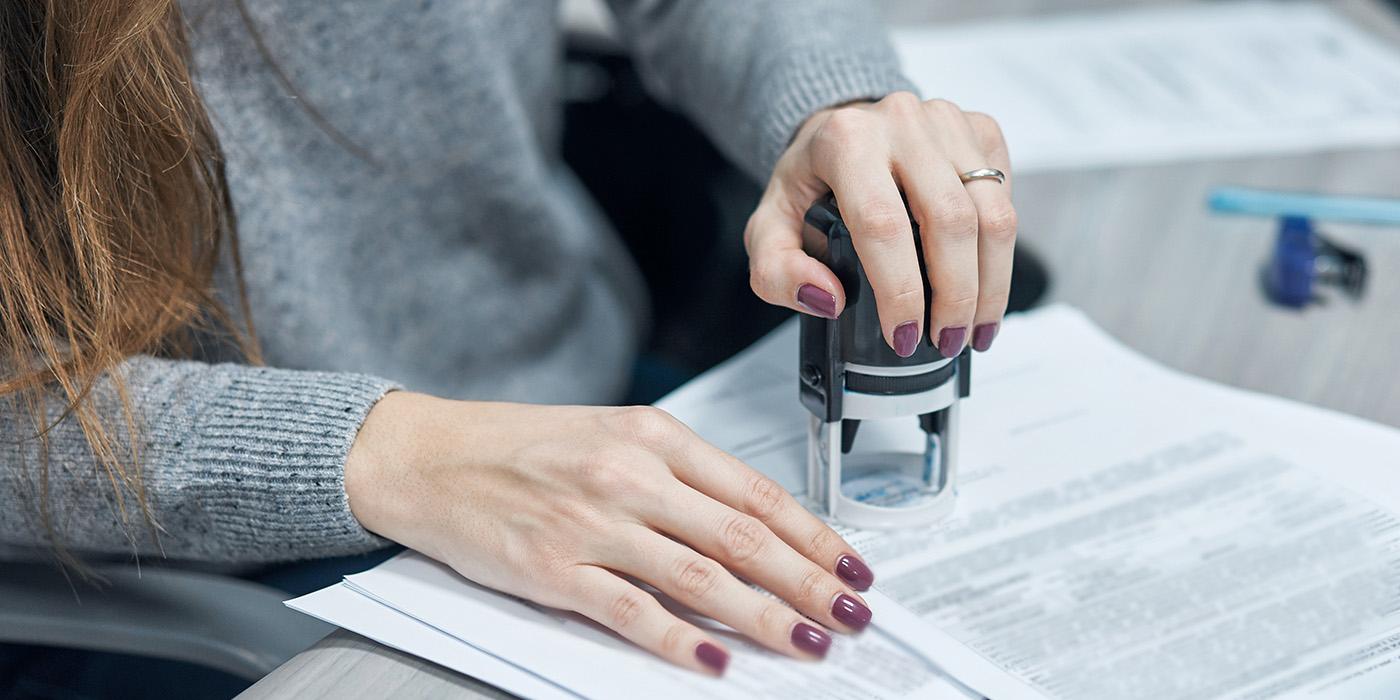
1113,174
1124,118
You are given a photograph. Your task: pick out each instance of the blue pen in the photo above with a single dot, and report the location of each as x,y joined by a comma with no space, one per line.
1360,210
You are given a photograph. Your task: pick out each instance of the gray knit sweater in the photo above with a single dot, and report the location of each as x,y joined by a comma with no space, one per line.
459,257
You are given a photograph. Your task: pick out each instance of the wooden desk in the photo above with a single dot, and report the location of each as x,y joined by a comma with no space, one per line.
1137,250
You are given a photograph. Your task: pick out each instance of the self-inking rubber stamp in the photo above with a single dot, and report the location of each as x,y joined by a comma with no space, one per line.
849,374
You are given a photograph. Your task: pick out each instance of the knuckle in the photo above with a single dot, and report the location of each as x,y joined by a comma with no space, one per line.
750,227
555,590
766,498
844,127
613,470
648,426
909,293
824,542
942,107
983,122
988,130
812,587
958,304
741,536
993,302
997,223
902,101
696,577
554,563
955,216
601,468
885,222
673,639
625,609
773,620
762,276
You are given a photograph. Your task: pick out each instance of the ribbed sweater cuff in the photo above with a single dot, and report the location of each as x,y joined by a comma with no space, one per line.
814,80
280,438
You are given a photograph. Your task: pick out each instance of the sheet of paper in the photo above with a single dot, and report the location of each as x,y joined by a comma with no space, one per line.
1122,530
587,659
339,605
1150,84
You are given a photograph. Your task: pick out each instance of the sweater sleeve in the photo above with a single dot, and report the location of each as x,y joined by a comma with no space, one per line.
239,464
749,73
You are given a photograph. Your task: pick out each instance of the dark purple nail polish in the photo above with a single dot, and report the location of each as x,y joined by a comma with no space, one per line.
854,571
906,337
810,639
850,612
713,657
950,340
816,300
983,335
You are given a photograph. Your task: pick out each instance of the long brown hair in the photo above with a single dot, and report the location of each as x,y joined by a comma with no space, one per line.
114,214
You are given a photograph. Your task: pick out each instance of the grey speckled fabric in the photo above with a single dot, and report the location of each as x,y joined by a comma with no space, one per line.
460,257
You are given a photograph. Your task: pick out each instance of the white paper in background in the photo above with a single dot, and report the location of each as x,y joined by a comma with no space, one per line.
339,605
1151,84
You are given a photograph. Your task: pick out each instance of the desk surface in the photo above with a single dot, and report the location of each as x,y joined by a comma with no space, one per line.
1137,250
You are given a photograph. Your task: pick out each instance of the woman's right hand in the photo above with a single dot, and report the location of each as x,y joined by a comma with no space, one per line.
569,506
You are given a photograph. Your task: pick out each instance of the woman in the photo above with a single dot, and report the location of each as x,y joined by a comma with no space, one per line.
413,254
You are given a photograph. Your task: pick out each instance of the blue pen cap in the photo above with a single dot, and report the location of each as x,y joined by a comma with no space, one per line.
1293,267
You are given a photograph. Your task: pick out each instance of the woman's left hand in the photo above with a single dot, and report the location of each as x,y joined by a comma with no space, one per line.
866,153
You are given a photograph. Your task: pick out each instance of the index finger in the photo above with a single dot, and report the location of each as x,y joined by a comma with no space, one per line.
884,240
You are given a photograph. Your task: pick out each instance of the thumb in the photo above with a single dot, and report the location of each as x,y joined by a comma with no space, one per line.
781,273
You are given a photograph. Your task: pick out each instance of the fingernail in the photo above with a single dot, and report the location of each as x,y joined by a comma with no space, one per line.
816,300
854,571
712,657
906,336
810,639
850,612
950,340
983,335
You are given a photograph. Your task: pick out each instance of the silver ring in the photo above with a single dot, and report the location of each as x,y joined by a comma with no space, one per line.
984,174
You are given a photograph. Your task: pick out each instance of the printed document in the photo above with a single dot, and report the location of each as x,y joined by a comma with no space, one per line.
589,660
1122,530
1151,84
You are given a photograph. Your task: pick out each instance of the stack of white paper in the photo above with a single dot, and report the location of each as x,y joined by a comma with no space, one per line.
1122,531
1149,84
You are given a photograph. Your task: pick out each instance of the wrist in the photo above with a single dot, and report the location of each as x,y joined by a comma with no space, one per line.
380,467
